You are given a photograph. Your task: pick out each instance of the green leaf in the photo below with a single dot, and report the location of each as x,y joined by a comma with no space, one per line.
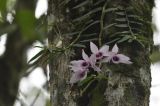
39,47
93,23
121,19
85,81
85,2
138,30
1,18
72,33
26,20
125,38
36,56
108,26
120,33
87,14
130,40
135,22
89,35
110,10
101,76
155,57
120,13
121,25
79,45
112,41
88,40
43,59
132,16
85,88
3,4
98,2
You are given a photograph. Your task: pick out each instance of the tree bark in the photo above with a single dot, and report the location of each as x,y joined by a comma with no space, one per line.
127,85
59,73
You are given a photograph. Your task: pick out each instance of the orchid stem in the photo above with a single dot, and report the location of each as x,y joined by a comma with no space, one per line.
102,24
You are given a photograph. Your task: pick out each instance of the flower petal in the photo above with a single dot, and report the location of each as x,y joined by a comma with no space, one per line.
96,68
78,77
92,59
77,62
74,78
104,49
115,48
106,59
122,59
93,47
109,54
74,68
85,56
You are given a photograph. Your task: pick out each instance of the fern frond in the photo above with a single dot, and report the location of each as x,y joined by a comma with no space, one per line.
87,15
85,2
128,26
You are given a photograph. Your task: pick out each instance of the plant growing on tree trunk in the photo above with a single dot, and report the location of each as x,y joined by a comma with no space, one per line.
81,67
72,25
78,22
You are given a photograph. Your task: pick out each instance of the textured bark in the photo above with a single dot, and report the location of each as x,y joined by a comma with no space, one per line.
127,85
59,73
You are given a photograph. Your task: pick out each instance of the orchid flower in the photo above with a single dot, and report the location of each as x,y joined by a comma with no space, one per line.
81,67
78,75
80,72
99,53
117,58
85,63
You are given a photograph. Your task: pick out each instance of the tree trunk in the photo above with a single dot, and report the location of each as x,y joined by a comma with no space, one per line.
127,85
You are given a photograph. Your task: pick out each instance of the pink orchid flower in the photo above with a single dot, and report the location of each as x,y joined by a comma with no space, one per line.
117,58
78,75
80,72
85,63
99,53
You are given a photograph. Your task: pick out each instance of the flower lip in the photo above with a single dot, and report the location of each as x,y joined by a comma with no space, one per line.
85,64
82,74
99,54
115,58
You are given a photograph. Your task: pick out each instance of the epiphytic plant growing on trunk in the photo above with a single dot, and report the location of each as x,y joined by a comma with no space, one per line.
82,67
